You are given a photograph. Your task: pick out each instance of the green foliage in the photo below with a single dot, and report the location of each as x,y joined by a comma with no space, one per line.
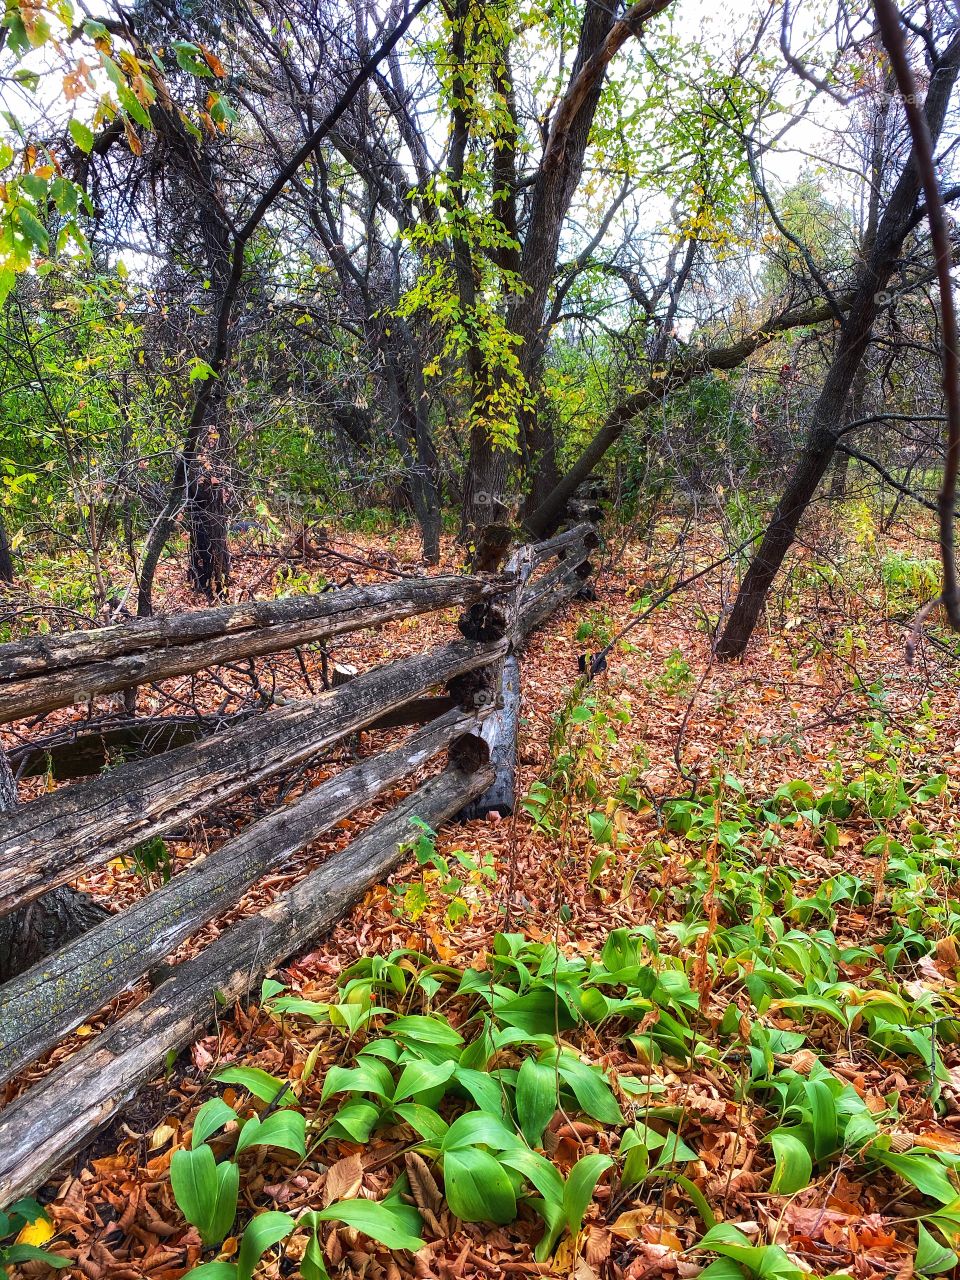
475,1065
151,859
597,626
22,1219
459,879
108,81
207,1191
909,582
677,675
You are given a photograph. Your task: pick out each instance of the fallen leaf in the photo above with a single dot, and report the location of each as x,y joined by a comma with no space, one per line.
343,1179
37,1232
161,1136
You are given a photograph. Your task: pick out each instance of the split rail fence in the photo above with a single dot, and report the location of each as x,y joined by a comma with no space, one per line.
52,840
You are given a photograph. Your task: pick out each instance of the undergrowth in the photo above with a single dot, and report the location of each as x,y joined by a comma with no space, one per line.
754,1038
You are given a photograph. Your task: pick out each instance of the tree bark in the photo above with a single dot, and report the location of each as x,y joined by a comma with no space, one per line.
6,558
209,570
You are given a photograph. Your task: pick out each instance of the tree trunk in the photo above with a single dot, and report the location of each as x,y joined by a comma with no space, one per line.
32,932
841,463
541,467
777,541
412,414
828,413
484,496
6,559
209,551
427,506
838,480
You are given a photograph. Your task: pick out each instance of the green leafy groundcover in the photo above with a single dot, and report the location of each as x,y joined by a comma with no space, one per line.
482,1060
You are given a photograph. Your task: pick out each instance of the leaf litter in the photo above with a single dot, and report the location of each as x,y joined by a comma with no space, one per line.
779,841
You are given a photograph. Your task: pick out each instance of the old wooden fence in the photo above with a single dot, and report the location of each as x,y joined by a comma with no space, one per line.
54,839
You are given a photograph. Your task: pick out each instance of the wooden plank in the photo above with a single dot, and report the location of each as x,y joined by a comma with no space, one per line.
71,754
54,839
57,1116
546,594
500,734
416,711
42,1005
40,674
548,597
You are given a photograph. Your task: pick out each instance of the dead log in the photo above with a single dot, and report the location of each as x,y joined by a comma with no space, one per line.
548,598
575,555
562,543
69,754
46,672
47,1002
500,734
57,1116
56,838
33,931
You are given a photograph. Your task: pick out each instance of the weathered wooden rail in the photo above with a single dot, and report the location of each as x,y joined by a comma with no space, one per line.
46,672
50,841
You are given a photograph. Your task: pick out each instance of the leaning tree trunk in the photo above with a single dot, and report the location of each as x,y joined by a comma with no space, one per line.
777,541
38,929
828,414
841,462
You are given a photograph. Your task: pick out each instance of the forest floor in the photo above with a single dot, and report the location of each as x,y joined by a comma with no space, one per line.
780,837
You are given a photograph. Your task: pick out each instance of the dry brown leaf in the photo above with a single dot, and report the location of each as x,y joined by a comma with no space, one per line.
424,1189
343,1179
597,1245
803,1061
630,1224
